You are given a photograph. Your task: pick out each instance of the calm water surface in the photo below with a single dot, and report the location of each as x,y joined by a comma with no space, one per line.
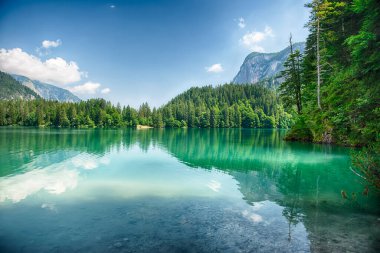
192,190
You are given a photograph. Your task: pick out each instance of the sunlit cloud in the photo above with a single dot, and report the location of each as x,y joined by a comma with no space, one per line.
216,68
105,91
86,88
251,40
51,43
46,45
53,70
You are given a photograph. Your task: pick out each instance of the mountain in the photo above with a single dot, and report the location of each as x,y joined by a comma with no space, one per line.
47,91
12,89
264,67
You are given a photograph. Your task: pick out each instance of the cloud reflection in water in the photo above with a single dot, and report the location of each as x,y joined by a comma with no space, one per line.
54,179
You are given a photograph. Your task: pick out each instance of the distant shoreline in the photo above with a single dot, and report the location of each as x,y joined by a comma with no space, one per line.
141,127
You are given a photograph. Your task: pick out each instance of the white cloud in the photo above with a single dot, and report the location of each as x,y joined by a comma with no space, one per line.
51,43
105,91
46,45
86,88
257,48
53,70
268,31
216,68
252,39
112,6
241,23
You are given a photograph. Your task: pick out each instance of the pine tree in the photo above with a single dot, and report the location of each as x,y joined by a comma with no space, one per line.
291,89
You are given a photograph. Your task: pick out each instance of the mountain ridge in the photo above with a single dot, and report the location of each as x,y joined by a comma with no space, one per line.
10,88
47,91
264,67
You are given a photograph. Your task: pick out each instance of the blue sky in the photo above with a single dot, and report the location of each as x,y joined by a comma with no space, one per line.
136,51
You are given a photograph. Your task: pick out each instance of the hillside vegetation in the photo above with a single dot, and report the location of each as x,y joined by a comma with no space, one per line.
338,77
228,105
11,89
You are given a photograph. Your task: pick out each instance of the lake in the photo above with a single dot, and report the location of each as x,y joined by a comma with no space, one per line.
180,190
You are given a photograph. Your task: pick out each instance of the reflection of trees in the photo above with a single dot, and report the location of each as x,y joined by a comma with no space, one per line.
291,209
258,159
261,154
225,149
24,145
305,179
265,160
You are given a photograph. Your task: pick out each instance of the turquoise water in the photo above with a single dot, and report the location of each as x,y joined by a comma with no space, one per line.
185,190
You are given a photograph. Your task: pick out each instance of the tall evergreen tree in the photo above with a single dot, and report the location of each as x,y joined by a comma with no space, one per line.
291,88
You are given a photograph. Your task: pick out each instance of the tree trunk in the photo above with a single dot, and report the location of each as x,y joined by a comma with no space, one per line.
318,68
296,77
299,86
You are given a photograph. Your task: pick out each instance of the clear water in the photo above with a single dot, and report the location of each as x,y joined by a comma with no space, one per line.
185,190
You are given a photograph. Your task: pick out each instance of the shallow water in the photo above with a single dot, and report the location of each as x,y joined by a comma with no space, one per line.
185,190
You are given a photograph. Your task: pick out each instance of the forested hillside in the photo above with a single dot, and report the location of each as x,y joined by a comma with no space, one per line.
40,112
229,105
11,89
337,81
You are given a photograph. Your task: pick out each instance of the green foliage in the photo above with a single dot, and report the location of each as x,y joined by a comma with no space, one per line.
290,88
299,131
364,44
44,113
228,105
350,63
367,163
12,89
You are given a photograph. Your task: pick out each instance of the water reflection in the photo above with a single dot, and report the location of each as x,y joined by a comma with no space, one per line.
54,181
292,187
54,176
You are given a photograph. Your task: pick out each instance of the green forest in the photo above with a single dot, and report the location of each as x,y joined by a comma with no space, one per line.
335,85
229,105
